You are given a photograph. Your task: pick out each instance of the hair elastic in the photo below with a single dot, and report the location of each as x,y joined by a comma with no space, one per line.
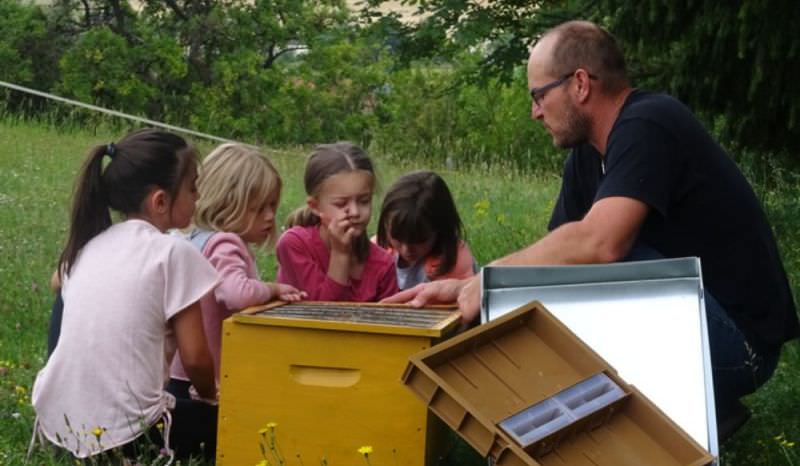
111,150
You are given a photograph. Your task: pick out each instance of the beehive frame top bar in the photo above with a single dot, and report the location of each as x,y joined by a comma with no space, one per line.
358,317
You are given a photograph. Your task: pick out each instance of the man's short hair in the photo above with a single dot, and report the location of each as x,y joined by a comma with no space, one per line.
582,44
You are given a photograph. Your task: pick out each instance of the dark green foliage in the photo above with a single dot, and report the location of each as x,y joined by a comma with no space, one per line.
284,72
736,59
423,116
105,69
500,30
29,48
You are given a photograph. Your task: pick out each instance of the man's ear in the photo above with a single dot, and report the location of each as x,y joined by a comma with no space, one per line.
584,85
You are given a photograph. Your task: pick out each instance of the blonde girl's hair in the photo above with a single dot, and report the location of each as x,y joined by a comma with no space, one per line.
233,177
328,160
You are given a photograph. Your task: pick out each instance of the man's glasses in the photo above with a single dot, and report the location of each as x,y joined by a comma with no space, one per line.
538,93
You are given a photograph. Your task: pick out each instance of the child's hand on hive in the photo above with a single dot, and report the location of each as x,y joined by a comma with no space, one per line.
286,292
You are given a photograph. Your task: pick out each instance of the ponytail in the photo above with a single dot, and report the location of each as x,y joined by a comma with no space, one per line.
302,217
90,213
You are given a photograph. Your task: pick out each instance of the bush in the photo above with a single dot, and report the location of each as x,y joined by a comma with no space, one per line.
426,113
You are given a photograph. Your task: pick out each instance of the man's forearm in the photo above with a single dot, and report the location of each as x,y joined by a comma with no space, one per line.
571,243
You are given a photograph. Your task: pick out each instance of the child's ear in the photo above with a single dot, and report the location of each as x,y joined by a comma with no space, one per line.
158,202
312,204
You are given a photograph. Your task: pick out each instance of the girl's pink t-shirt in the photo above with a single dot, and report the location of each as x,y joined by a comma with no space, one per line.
304,259
240,287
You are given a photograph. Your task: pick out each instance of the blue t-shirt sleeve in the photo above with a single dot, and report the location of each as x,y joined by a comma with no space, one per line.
638,164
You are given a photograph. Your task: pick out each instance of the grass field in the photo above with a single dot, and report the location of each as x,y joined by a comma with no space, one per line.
502,211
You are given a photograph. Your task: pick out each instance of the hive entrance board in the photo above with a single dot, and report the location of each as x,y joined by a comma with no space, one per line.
379,314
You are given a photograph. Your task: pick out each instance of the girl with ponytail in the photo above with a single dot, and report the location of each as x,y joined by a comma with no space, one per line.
131,297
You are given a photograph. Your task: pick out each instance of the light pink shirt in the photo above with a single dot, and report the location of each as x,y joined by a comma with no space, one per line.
240,287
304,259
109,368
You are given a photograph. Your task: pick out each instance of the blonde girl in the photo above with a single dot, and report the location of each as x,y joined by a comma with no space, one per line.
326,251
239,194
131,297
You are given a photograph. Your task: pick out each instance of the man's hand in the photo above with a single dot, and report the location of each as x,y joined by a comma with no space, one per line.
466,292
469,299
438,292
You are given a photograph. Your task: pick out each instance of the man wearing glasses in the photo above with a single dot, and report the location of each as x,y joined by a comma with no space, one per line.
645,180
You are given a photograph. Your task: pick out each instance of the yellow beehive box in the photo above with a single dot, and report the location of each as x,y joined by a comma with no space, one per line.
328,376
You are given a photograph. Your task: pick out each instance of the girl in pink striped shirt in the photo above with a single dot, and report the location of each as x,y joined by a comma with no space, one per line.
239,194
326,252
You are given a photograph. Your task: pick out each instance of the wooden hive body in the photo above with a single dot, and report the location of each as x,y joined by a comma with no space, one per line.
328,375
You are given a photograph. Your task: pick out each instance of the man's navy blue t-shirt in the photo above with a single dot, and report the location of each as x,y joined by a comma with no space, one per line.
700,205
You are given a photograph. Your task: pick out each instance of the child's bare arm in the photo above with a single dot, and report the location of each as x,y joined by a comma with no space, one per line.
193,349
55,281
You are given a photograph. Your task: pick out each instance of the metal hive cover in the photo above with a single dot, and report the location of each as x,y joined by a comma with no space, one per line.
647,319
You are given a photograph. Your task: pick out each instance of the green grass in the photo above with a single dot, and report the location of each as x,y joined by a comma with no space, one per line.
502,209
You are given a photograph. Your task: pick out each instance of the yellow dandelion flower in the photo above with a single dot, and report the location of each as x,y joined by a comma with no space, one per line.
365,450
98,432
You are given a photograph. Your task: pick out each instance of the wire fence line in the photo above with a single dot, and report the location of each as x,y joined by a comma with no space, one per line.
118,114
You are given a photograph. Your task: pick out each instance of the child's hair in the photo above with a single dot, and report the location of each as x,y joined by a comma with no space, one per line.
232,177
418,207
328,160
139,162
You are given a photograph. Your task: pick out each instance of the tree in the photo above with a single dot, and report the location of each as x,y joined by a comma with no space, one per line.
733,62
500,30
26,45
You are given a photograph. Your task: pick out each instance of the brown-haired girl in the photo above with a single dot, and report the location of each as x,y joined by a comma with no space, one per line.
326,251
131,296
420,224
